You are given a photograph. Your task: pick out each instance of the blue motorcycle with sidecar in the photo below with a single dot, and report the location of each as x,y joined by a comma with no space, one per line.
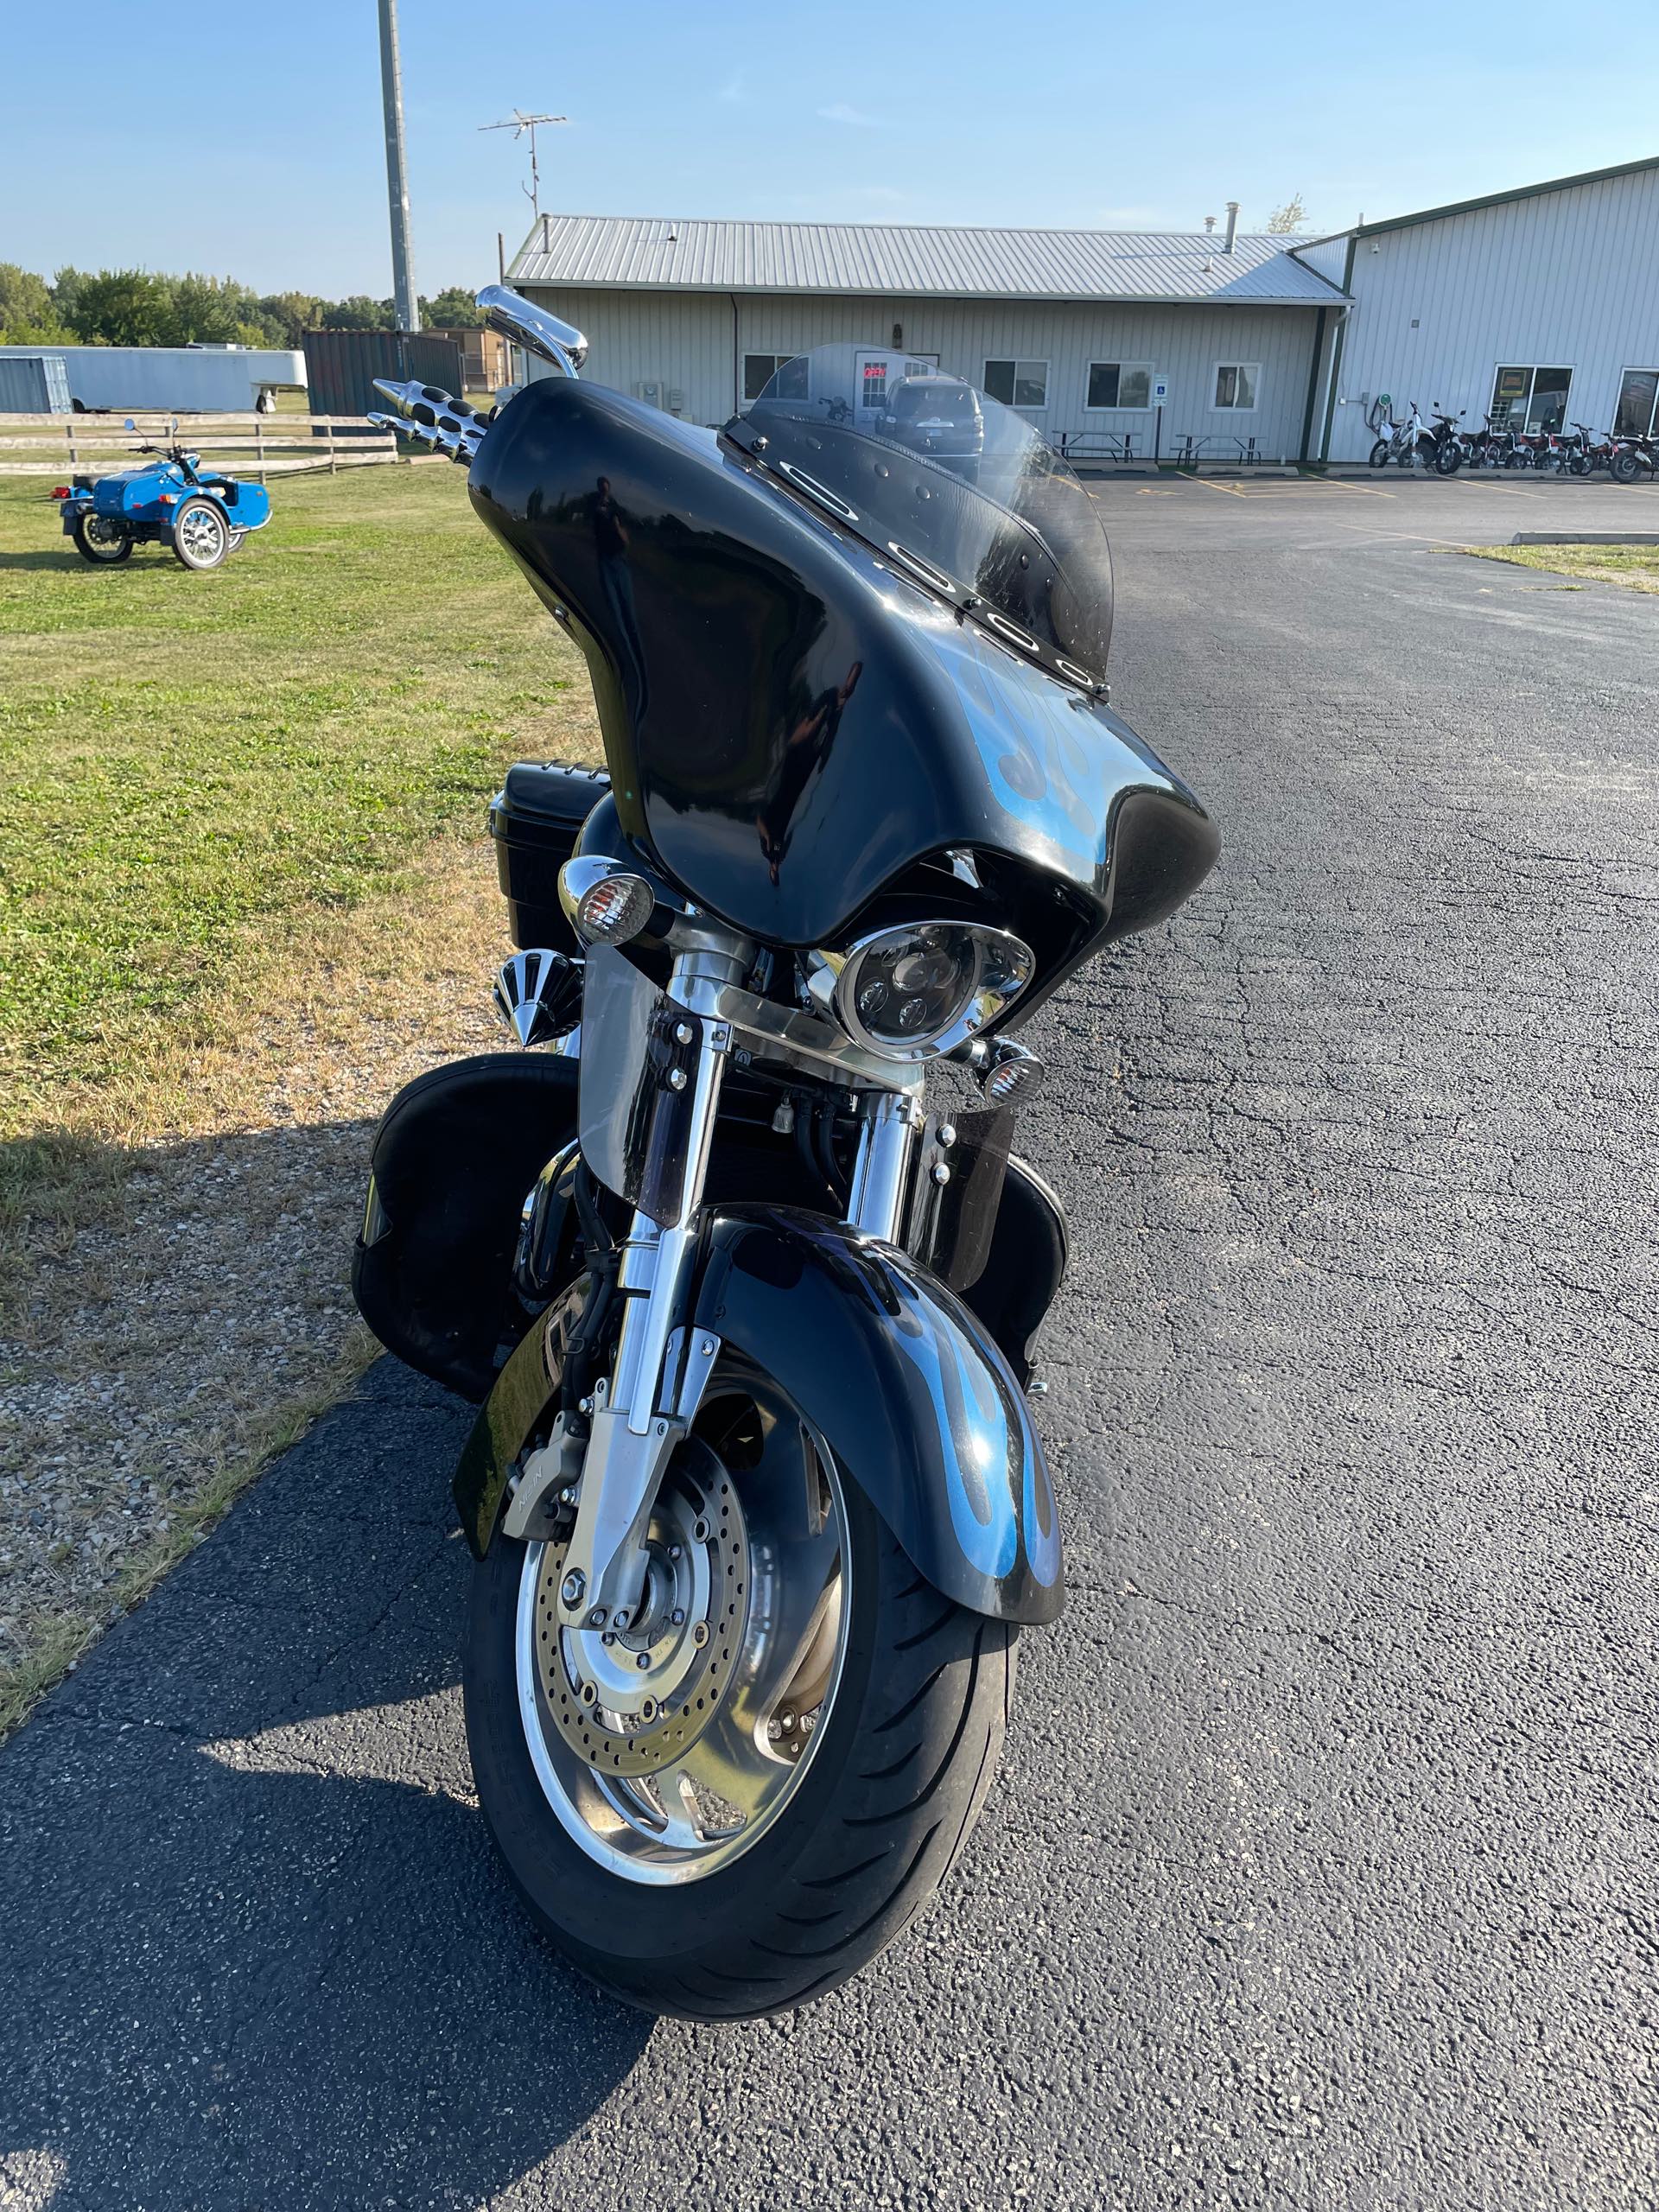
202,515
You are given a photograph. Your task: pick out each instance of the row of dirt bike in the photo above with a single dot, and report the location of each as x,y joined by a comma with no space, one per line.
1441,445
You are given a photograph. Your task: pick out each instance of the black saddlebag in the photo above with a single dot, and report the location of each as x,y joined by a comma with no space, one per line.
452,1163
535,819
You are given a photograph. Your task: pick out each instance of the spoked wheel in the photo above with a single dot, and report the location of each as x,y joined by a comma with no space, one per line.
102,540
1623,468
730,1803
1448,459
1380,453
201,538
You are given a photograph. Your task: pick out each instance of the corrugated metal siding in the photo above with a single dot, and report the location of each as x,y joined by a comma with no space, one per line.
1566,279
1327,256
340,366
33,384
919,261
685,343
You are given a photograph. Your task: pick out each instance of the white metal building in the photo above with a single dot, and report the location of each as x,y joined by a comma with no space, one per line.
1075,327
1542,304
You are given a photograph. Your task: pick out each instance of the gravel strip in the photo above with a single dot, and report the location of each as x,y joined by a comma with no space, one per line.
159,1343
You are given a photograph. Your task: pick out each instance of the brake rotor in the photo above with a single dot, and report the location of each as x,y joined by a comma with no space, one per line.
631,1701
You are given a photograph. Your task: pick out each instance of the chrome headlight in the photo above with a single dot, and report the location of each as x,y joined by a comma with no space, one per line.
925,987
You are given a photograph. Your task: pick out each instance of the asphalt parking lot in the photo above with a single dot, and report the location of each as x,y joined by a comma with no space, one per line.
1321,1872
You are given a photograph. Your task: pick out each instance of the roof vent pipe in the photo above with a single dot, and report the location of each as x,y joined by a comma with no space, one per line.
1232,226
1209,222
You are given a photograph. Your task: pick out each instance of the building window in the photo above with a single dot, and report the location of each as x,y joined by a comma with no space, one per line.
1638,403
1530,399
1120,385
1018,384
1235,385
758,369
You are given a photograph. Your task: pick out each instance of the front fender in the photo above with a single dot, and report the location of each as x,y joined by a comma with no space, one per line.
898,1378
908,1389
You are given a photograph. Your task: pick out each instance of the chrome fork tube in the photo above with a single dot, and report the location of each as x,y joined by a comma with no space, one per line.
880,1179
656,1262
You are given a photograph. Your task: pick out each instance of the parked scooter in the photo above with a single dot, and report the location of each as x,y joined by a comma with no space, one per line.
738,1255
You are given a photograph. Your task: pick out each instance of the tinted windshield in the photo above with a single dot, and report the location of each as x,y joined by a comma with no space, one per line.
960,488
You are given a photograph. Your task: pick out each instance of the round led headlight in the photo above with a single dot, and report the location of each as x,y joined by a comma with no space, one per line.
605,904
926,987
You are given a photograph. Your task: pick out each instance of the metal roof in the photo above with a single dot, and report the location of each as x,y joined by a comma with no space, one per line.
915,260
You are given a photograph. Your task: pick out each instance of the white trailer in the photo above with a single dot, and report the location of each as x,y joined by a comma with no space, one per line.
174,379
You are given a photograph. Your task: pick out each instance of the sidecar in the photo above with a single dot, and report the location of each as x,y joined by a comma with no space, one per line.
201,517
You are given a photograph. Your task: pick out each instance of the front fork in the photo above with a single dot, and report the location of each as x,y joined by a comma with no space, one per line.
636,1419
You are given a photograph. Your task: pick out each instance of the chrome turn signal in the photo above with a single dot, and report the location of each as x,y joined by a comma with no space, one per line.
1010,1072
606,905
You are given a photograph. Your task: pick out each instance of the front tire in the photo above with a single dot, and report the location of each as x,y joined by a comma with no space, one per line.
1448,459
1380,453
202,537
694,1920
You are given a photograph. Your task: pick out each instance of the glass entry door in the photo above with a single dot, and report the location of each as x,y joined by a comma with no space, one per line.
1531,399
878,370
1638,403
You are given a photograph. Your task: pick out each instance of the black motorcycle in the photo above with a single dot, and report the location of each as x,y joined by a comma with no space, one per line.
738,1257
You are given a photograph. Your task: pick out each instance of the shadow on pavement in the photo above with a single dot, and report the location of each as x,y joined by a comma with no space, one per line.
258,1950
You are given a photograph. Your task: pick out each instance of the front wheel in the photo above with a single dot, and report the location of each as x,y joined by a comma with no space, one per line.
202,537
1623,468
731,1805
1380,453
1448,459
102,540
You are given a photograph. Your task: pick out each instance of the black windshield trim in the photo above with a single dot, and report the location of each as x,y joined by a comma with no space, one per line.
829,509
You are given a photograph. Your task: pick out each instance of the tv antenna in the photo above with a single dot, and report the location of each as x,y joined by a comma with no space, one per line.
518,123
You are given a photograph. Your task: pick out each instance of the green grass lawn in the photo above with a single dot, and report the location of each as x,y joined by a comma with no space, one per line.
184,758
1635,567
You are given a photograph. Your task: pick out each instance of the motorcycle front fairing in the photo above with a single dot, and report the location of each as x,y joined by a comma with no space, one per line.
791,720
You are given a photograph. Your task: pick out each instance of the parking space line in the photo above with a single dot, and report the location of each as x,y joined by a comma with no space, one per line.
1231,490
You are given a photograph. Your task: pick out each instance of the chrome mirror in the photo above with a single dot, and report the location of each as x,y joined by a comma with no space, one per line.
533,328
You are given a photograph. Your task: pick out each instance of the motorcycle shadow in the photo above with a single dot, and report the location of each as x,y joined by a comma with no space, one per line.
43,558
260,1952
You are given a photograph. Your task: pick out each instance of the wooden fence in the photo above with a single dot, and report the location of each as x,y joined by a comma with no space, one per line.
255,445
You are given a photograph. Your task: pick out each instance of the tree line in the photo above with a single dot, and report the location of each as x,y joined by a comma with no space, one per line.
142,307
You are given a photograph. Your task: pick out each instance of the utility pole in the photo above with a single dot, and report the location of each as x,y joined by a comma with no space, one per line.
519,123
406,305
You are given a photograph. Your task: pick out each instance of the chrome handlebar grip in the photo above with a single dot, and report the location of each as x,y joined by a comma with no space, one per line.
532,328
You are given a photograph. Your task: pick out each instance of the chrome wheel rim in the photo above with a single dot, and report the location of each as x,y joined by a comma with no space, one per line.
201,533
103,533
668,1749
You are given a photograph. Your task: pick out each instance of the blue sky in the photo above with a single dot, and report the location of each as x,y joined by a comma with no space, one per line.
245,140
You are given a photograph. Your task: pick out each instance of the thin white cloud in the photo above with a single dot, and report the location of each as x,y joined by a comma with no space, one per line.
883,192
732,92
839,113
